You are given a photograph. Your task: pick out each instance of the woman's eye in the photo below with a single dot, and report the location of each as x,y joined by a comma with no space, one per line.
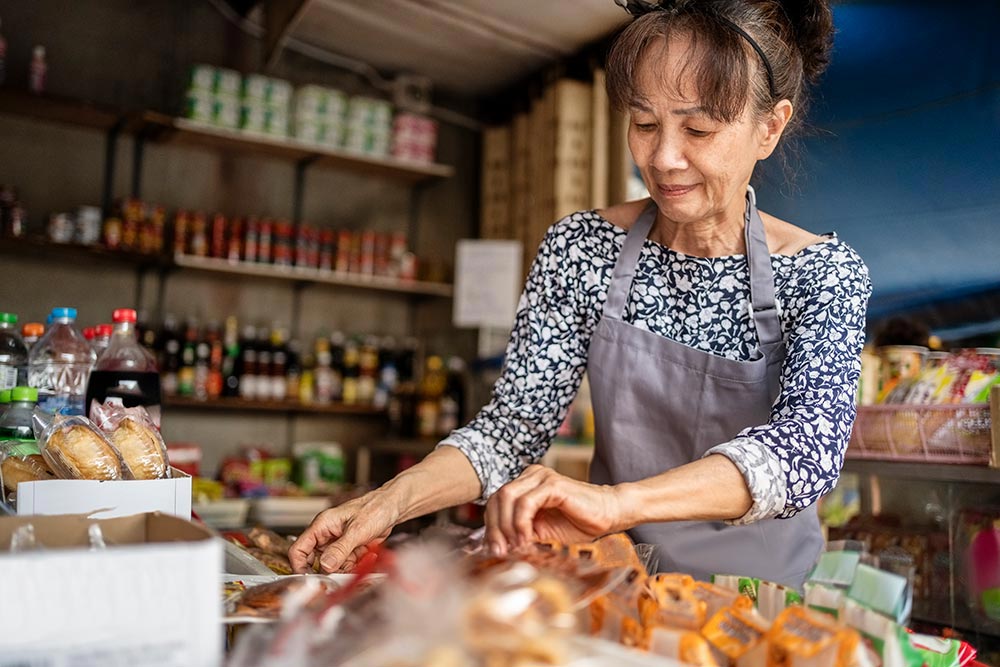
698,133
645,127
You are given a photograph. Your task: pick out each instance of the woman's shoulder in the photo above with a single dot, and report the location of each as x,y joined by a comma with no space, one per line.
582,229
623,215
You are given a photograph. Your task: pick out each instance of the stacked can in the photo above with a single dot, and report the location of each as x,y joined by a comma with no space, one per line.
213,96
265,105
320,115
369,126
414,137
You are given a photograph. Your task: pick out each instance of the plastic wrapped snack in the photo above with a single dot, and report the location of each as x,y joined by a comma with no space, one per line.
736,634
804,638
22,462
131,431
76,449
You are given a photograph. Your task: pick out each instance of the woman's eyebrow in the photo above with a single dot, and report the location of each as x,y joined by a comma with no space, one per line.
689,111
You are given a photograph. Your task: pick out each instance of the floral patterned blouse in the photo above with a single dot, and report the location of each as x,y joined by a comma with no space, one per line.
821,291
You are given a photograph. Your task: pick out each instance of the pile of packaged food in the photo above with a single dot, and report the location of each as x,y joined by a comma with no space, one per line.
553,604
120,443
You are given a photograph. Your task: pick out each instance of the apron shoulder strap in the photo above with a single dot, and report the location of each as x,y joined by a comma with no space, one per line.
628,258
763,311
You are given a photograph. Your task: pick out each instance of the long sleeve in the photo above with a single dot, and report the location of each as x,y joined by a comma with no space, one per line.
796,457
543,366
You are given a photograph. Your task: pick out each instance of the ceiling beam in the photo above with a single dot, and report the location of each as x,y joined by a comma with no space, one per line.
280,18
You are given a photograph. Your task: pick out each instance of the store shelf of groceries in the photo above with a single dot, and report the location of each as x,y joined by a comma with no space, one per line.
39,247
310,275
162,128
240,405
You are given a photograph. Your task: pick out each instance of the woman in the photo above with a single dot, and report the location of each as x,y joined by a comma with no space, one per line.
722,345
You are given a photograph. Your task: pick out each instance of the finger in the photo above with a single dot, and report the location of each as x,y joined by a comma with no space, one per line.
325,526
529,505
494,538
510,496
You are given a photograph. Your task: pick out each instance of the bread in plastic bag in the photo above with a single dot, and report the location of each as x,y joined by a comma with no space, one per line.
139,443
21,462
76,449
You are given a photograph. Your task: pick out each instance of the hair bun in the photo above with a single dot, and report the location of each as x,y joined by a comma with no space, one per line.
812,23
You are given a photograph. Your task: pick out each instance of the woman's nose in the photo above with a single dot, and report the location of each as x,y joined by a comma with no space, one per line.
669,154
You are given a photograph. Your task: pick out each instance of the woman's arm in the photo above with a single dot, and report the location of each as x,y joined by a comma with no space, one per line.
795,458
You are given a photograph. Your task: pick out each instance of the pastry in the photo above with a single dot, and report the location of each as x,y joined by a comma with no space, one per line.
17,469
140,449
78,452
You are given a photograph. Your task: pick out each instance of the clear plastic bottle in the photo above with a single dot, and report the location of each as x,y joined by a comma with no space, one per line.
13,353
126,371
4,401
16,421
37,70
59,365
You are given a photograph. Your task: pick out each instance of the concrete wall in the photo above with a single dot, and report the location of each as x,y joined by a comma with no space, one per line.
134,54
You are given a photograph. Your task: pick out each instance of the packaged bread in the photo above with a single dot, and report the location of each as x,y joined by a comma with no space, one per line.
131,431
801,637
17,469
76,449
669,600
736,634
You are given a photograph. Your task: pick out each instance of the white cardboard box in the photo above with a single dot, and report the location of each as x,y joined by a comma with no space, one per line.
150,599
104,500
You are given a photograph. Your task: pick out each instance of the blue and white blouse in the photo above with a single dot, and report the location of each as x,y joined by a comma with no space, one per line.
821,291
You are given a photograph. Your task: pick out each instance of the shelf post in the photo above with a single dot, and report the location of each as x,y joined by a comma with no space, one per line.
110,160
299,190
138,152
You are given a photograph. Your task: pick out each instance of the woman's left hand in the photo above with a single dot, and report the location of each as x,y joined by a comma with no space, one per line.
541,504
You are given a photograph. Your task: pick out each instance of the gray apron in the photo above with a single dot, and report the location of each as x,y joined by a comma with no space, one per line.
659,404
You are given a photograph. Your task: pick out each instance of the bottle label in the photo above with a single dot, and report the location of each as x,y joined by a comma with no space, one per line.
8,377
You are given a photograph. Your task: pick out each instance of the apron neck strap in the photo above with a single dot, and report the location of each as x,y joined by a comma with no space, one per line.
628,258
763,313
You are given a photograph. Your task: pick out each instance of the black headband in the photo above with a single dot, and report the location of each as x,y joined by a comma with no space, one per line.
640,7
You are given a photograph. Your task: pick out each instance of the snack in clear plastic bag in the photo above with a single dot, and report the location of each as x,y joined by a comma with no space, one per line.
139,443
736,634
269,600
22,463
804,638
76,449
669,600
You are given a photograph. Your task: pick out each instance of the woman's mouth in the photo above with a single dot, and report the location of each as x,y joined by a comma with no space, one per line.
675,190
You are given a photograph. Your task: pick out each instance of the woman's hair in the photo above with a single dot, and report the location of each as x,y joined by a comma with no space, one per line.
795,36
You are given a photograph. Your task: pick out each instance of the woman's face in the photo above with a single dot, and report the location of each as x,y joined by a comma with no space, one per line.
695,168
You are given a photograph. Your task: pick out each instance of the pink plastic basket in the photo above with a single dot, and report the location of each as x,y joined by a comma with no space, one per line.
933,433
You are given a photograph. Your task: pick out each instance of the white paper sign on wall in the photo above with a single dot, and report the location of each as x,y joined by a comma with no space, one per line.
487,283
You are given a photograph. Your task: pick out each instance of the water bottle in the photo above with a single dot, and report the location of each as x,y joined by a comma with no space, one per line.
125,372
59,365
13,353
4,401
16,421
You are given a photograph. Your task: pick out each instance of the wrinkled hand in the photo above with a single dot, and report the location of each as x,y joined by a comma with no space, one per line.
340,536
543,505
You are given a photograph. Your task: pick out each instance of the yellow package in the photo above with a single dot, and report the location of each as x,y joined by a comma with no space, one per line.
669,600
801,637
715,597
683,645
736,634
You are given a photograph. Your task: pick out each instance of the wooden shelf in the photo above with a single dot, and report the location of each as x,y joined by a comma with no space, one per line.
240,405
57,109
929,472
41,248
162,128
303,275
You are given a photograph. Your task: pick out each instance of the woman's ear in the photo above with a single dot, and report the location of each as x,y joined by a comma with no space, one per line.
772,126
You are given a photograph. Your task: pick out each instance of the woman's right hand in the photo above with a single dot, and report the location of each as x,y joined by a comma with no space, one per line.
340,536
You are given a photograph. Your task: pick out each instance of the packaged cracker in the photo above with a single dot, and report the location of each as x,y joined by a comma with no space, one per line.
803,638
736,634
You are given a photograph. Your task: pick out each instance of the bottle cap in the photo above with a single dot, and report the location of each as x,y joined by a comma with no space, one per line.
24,394
8,318
32,329
5,396
64,312
39,51
89,333
123,315
105,329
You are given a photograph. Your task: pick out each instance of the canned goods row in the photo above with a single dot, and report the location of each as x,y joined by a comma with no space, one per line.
280,243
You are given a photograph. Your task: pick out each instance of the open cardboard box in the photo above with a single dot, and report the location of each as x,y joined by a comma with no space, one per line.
104,500
150,598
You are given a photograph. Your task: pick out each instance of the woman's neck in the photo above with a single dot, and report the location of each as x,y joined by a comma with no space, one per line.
713,237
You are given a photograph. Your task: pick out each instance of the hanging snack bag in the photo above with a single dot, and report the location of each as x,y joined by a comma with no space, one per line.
131,431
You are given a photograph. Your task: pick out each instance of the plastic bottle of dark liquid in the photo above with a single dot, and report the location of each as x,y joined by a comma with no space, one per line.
126,371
